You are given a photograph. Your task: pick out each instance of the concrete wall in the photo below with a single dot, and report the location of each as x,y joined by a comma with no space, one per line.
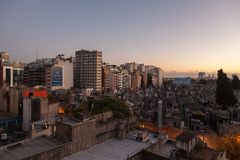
68,75
63,131
105,131
84,135
81,136
45,132
14,100
186,146
48,111
54,154
103,116
3,99
44,108
115,128
53,110
26,114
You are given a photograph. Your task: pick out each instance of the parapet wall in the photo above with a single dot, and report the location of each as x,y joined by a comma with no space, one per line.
84,135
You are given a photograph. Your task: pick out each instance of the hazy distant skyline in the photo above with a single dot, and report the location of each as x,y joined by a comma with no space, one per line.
179,35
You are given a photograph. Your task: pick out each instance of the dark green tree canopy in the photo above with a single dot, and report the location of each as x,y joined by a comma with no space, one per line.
235,82
119,108
224,92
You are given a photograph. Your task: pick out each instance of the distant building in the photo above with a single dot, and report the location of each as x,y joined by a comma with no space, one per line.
115,77
11,99
113,81
106,77
149,69
145,78
54,73
126,80
11,74
136,79
182,81
157,74
4,57
201,75
88,69
160,76
155,79
131,67
141,67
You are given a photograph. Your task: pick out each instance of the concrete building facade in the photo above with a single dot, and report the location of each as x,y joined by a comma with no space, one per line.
88,69
54,73
11,74
37,109
136,80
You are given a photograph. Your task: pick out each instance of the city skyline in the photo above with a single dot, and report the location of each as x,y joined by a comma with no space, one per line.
183,36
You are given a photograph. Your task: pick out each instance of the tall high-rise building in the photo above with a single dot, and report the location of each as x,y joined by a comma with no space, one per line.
126,82
131,67
136,79
106,76
88,69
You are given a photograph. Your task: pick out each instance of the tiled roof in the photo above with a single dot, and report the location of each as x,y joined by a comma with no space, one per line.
186,136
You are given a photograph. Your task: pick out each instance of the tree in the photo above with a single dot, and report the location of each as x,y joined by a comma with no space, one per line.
149,79
235,83
224,92
119,108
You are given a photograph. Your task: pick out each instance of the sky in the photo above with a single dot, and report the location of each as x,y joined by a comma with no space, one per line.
176,35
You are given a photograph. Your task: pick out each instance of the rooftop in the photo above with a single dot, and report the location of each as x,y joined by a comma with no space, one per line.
33,147
165,150
113,149
186,136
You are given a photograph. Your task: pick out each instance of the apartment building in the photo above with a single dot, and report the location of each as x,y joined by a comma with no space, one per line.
54,73
88,69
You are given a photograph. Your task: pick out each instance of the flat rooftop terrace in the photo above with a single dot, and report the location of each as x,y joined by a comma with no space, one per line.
113,149
33,147
165,150
73,122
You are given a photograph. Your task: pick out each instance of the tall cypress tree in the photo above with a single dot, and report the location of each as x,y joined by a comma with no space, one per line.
235,83
224,92
149,80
